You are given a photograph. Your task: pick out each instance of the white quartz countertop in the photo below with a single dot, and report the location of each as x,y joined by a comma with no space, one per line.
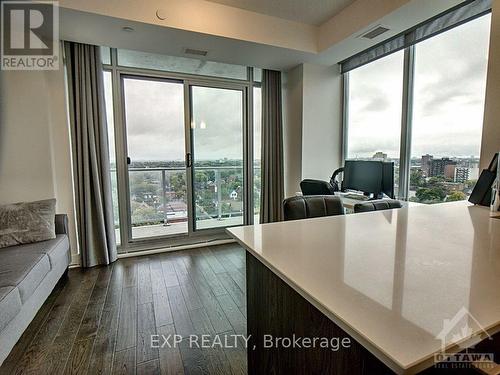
405,283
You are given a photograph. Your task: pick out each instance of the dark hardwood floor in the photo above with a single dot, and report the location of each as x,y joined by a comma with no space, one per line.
100,321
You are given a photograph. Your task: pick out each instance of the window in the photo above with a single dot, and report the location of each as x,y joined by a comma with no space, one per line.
446,100
108,98
448,112
217,137
257,75
154,118
106,55
375,97
179,171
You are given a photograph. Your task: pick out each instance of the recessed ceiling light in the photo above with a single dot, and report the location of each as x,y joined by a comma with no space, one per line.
127,29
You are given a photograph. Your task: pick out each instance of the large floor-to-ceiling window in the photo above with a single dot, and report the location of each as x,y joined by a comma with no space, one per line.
108,93
430,96
375,94
448,110
178,130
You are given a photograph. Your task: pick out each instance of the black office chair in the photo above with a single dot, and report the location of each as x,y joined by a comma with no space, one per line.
320,187
296,208
377,205
316,187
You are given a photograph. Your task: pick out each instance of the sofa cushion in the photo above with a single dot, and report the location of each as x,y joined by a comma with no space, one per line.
27,222
56,249
22,269
59,250
10,305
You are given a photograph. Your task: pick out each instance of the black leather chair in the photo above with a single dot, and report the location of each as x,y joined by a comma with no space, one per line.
316,187
296,208
377,205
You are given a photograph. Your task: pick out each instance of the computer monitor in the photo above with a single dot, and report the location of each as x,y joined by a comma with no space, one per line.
370,177
388,178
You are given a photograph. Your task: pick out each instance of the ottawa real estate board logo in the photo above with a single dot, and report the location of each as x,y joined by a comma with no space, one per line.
29,35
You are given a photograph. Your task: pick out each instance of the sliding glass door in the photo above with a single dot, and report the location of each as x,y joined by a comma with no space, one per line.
155,136
184,148
183,156
217,128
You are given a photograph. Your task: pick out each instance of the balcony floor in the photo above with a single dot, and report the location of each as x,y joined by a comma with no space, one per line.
147,231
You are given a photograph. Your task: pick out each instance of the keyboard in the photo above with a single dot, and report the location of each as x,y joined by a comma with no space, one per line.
358,197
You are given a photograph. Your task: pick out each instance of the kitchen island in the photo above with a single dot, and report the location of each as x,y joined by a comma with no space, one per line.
404,286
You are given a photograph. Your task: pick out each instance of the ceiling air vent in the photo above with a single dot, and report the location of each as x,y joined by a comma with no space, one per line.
375,32
197,52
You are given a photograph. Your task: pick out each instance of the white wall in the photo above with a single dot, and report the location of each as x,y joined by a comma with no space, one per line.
321,121
313,124
25,157
491,127
292,129
35,157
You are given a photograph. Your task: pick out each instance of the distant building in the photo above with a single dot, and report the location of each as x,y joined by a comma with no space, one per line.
461,174
449,171
426,164
474,173
233,195
438,167
379,156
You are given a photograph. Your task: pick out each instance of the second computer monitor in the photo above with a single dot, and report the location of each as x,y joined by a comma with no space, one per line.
388,178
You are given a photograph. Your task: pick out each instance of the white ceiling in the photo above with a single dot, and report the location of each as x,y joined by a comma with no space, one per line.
94,28
312,12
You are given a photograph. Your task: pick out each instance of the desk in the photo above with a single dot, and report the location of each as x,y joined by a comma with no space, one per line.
349,203
394,289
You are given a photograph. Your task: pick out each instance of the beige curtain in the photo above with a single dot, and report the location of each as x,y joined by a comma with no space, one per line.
92,178
272,192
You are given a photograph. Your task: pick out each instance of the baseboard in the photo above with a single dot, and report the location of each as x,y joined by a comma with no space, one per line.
162,250
175,248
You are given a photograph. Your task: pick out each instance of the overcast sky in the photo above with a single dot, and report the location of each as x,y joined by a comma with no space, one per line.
154,113
450,83
448,107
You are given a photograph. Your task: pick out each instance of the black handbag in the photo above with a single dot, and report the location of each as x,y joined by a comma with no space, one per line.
481,194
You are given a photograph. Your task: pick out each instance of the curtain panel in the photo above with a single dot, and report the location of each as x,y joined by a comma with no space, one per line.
272,189
91,169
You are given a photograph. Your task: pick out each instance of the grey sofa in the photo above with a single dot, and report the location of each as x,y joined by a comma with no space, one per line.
28,274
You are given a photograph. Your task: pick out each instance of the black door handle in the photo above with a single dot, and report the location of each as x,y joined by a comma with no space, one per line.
128,161
189,161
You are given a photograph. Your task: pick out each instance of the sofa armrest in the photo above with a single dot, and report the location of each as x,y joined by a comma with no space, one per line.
61,224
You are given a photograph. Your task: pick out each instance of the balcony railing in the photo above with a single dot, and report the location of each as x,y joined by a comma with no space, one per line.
158,196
